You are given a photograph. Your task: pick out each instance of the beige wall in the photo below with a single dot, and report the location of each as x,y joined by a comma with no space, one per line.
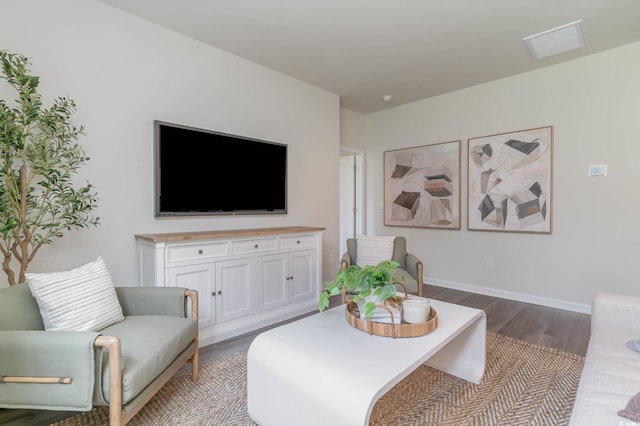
593,104
351,130
124,72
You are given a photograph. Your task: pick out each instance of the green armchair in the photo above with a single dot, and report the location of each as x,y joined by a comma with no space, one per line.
409,272
122,365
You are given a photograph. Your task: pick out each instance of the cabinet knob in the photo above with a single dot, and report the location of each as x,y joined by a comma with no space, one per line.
256,246
219,291
213,294
298,242
200,251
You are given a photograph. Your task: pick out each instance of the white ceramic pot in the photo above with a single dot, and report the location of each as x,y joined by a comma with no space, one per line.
415,311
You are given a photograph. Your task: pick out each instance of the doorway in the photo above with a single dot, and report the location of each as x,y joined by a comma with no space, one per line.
351,195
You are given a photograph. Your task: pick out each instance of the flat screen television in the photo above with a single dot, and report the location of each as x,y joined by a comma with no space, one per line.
203,172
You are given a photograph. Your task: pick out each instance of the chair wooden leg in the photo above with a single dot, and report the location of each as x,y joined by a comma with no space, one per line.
116,412
420,283
195,365
195,358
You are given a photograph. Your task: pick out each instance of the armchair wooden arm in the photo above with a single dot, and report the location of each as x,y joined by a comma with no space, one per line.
117,414
419,278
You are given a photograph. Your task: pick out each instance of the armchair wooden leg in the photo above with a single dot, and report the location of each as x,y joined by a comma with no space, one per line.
116,412
195,358
420,283
195,366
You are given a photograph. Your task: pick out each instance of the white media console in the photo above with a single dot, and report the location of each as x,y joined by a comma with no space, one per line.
246,279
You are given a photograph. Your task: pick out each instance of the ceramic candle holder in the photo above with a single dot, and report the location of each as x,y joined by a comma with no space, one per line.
415,311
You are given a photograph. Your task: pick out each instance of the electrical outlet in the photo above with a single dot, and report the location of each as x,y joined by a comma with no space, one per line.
489,263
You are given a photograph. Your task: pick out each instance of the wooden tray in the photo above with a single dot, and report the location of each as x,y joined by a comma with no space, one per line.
390,330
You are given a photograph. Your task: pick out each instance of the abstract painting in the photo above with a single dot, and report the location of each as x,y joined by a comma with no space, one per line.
510,182
422,186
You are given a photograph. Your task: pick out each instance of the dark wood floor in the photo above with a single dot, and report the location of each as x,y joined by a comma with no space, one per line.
555,328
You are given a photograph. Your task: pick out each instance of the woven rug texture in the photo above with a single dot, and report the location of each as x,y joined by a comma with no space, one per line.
524,384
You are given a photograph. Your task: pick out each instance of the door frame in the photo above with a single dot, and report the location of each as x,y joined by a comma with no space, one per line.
359,188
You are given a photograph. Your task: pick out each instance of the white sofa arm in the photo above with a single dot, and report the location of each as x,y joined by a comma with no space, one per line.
614,310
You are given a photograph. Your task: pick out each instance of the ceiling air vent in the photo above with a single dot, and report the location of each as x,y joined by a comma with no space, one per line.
555,41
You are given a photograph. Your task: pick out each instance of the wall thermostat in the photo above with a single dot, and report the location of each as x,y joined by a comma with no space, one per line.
598,170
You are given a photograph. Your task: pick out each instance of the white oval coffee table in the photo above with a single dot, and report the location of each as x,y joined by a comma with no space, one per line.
321,371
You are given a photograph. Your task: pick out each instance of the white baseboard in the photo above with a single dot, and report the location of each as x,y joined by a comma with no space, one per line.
511,295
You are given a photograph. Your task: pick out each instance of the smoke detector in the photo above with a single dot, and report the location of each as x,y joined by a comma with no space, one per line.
387,98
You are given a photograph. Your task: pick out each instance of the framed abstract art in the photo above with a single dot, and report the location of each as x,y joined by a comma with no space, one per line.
422,186
510,182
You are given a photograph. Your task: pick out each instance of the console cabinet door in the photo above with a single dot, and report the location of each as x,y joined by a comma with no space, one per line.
272,282
235,294
302,275
202,279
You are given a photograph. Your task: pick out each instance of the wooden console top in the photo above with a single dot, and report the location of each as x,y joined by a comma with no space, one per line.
228,233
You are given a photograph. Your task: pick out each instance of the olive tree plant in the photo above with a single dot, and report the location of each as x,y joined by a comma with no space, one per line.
39,155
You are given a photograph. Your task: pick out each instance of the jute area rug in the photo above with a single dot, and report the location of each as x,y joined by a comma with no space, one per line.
524,384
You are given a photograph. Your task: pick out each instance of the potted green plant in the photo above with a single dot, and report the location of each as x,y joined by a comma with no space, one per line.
39,156
363,282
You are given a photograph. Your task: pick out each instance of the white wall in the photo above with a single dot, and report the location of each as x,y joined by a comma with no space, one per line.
593,104
124,72
351,130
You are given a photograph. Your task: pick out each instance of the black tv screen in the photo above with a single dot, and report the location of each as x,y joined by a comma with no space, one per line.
202,172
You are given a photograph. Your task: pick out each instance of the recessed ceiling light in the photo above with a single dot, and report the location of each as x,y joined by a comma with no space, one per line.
387,98
556,40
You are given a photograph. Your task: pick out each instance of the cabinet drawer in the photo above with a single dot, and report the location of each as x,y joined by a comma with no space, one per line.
253,246
197,252
301,241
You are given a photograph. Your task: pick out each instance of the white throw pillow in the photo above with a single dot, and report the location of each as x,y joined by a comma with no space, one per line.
82,299
373,249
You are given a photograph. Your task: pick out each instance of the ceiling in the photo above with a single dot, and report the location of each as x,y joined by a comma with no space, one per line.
410,49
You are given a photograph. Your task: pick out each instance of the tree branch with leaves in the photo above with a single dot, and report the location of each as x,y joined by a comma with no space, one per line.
39,156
